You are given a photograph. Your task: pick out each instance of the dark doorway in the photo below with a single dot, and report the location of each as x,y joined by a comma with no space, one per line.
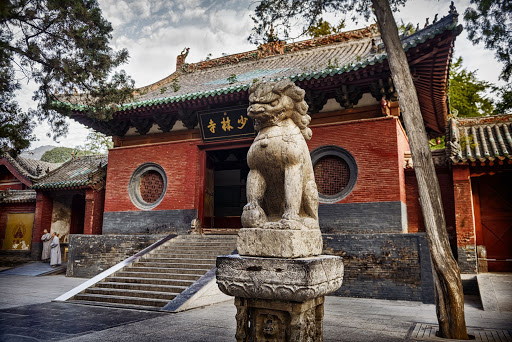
77,214
226,184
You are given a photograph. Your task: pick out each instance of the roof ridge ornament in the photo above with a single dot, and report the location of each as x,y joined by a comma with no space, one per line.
180,60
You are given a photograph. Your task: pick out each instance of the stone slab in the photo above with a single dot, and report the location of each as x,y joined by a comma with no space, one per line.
279,243
277,278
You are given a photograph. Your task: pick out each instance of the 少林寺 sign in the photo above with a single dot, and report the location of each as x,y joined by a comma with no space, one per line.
225,124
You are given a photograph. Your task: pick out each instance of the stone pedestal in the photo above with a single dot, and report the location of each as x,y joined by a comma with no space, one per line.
281,243
279,299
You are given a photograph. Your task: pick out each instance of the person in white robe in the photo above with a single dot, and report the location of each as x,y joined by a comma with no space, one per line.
46,238
55,258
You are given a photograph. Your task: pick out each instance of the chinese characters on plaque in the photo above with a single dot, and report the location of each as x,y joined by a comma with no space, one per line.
225,124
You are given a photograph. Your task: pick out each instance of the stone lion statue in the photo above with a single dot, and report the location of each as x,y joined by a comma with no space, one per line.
281,188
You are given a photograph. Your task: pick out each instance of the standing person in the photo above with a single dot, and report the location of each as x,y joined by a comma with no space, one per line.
46,238
55,250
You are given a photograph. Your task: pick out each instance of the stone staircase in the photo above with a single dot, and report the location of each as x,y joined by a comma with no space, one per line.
159,276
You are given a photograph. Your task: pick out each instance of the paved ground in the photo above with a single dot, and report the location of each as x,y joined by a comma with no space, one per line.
35,269
26,314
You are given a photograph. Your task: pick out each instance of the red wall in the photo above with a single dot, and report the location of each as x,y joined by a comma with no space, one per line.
180,160
375,145
415,217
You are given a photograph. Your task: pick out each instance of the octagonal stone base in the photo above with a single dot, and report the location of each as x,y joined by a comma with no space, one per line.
295,280
279,243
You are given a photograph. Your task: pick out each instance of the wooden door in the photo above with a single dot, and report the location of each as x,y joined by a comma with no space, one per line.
495,233
209,187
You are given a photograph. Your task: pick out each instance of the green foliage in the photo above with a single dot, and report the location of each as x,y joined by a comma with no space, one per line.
437,143
63,46
96,143
59,154
176,85
163,90
504,103
491,23
324,28
332,64
405,29
232,79
281,15
467,92
15,125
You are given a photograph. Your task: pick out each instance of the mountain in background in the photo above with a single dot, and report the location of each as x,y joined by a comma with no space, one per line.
37,152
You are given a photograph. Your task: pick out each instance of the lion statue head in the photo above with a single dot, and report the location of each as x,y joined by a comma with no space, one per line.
274,102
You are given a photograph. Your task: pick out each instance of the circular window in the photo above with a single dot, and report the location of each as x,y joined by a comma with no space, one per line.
147,186
335,173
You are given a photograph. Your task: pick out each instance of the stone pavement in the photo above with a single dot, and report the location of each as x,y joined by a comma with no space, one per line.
35,269
26,314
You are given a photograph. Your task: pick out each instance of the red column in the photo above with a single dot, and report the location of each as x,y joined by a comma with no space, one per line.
464,219
42,221
94,204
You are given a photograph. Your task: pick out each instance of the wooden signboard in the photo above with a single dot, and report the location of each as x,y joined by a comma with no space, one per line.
225,124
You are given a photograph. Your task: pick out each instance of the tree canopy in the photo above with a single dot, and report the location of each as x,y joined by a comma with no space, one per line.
468,94
63,46
490,22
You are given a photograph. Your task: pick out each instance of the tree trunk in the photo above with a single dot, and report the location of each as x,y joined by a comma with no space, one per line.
447,282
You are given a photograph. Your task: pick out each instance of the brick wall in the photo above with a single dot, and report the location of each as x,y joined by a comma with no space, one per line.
42,221
464,219
179,160
374,146
377,146
90,255
414,213
94,205
384,266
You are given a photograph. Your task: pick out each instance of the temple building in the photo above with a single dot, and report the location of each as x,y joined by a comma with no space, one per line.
179,159
34,195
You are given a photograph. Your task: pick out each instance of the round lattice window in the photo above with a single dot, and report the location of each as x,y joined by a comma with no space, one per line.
151,186
147,186
335,173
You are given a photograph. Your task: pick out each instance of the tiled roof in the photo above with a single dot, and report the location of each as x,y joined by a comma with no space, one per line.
30,168
479,139
17,196
75,173
312,59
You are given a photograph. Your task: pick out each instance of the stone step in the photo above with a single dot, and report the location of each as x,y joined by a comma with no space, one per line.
160,275
201,243
173,265
142,287
121,299
187,250
116,305
132,293
196,261
152,281
173,270
187,254
228,237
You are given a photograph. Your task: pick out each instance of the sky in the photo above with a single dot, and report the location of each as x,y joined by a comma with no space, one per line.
156,31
